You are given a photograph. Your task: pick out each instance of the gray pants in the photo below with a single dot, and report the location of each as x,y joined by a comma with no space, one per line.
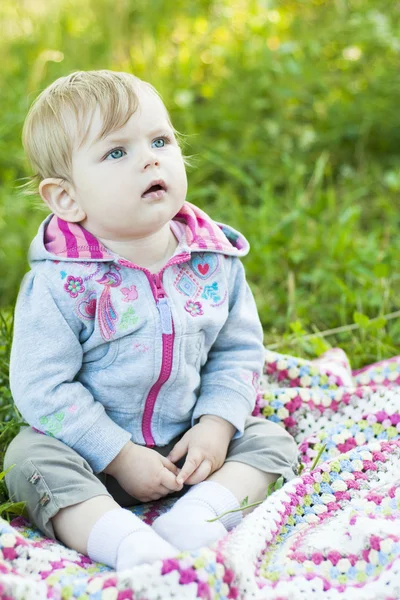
48,475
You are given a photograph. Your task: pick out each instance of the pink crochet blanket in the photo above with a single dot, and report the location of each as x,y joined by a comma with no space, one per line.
332,533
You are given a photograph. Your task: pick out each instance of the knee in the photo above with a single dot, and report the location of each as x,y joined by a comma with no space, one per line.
286,441
267,437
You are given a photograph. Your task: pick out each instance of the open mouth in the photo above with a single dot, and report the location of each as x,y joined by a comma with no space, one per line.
155,190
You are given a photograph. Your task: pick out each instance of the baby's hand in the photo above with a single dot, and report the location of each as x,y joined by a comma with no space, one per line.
206,445
144,473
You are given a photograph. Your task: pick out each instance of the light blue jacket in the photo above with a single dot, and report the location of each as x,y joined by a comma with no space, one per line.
105,352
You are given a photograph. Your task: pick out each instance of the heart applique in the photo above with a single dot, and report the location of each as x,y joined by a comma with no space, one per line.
86,308
90,308
204,269
63,274
204,264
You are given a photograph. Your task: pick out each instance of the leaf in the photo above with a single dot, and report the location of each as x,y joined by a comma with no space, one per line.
271,489
279,483
361,320
297,327
377,324
12,508
4,473
244,502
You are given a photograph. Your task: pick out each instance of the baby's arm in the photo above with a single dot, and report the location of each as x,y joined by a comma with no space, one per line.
45,359
230,376
228,386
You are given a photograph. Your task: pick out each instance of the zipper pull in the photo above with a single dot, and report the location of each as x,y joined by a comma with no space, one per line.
165,315
159,287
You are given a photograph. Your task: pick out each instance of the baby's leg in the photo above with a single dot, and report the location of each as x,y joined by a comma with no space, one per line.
65,500
244,481
72,525
256,460
264,452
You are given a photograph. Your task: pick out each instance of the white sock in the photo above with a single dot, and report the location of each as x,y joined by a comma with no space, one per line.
185,526
121,540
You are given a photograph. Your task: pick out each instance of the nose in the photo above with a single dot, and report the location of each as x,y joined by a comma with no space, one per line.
150,159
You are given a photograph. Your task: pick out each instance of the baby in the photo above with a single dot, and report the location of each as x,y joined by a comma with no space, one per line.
137,346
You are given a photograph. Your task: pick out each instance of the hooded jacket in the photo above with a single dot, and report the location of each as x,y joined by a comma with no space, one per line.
104,351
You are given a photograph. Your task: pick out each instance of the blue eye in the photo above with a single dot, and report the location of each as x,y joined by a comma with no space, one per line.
158,143
115,154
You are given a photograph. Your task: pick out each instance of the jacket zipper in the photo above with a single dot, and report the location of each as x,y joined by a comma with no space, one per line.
168,337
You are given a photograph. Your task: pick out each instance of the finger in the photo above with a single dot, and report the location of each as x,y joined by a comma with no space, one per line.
178,451
201,473
162,491
170,465
169,481
193,460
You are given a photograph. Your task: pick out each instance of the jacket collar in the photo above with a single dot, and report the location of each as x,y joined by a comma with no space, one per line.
199,234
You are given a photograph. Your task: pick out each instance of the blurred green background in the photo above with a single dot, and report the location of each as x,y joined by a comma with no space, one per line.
291,116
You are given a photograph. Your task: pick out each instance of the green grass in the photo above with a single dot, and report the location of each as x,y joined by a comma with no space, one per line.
10,419
290,114
291,117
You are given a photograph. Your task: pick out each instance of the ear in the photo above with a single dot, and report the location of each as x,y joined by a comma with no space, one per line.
59,197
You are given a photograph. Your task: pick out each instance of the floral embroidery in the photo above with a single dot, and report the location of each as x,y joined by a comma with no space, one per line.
194,308
86,308
130,293
129,318
53,423
74,286
211,292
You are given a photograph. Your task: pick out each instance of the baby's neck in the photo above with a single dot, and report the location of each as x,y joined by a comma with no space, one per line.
151,252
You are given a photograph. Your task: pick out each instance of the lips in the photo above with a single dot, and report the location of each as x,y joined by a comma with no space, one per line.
156,189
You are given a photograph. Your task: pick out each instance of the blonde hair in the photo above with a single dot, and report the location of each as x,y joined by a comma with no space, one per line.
58,118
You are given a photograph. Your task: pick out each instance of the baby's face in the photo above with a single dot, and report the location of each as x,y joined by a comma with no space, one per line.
132,182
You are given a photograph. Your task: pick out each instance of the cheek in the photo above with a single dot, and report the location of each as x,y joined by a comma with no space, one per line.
180,173
184,182
86,182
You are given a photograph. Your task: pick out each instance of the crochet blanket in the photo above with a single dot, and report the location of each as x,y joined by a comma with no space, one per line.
333,532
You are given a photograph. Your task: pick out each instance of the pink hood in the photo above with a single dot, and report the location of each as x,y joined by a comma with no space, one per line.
70,241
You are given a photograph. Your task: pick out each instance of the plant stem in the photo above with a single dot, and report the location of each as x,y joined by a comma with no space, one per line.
316,459
236,510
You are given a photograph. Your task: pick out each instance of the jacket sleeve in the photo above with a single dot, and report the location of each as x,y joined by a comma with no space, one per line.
46,356
230,376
